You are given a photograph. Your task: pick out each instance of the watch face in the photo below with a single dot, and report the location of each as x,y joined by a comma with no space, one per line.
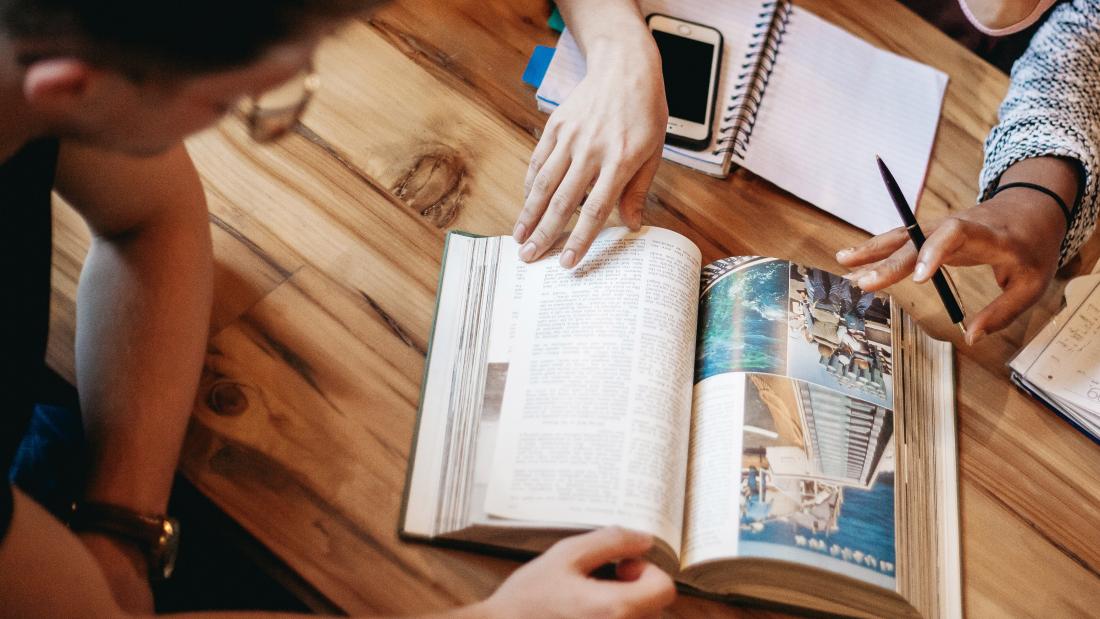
167,548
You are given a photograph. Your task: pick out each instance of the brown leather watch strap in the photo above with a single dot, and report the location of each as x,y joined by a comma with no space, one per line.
156,535
106,518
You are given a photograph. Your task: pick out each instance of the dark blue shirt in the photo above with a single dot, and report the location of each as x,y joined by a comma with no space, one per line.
26,180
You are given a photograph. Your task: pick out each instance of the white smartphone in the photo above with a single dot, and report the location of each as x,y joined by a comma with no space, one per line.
690,56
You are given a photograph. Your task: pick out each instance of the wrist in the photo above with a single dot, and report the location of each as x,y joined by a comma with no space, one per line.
607,51
124,567
1033,220
154,536
1058,174
117,552
485,609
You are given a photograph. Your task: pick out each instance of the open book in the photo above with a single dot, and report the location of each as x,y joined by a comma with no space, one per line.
800,100
783,435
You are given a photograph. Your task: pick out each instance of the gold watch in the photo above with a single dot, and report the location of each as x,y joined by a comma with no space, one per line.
158,536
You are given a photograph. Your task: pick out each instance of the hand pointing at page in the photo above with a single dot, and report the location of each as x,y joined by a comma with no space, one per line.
604,140
1018,232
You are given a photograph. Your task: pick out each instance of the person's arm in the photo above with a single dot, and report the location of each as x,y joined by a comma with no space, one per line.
46,572
1049,135
143,311
608,135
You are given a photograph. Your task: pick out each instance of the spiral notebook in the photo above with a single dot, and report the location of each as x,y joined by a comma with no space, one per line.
806,106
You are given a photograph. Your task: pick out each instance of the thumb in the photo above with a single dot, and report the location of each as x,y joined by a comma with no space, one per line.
649,593
629,570
1019,294
632,203
591,550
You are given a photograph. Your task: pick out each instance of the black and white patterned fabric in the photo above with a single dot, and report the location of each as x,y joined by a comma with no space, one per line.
1053,108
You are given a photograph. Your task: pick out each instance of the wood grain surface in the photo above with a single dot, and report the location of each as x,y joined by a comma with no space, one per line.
328,246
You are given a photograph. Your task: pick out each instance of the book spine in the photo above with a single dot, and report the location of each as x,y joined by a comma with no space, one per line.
756,70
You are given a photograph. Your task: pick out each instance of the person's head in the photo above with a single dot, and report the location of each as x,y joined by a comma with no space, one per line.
1004,17
138,76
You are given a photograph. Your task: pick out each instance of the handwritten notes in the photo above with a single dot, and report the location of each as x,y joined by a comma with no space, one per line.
1068,365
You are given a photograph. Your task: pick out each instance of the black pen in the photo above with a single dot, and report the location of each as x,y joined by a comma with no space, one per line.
939,278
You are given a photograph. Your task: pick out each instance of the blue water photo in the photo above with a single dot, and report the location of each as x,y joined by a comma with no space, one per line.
859,543
743,321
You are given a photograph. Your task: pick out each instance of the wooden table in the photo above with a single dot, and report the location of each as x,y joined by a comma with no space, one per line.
328,247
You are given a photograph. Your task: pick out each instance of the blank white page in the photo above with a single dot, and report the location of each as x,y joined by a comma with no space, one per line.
833,102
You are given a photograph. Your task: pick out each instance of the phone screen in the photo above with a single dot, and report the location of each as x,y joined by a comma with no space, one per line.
686,68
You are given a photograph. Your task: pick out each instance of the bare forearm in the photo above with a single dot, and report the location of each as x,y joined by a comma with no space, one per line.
603,28
142,320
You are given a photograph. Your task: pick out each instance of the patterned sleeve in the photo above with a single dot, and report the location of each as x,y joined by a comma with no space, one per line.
1053,108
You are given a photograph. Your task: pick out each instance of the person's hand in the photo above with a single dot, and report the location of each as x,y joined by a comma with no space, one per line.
1018,232
607,136
559,583
126,570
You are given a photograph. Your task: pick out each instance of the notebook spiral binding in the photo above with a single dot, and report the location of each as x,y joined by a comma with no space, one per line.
756,70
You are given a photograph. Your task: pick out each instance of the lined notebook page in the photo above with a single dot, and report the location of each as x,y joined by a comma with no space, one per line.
833,103
735,19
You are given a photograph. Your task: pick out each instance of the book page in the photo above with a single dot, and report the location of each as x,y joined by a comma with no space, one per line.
596,410
792,455
713,503
832,103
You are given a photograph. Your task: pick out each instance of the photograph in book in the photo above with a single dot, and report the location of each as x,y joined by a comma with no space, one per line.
839,335
495,375
742,317
817,479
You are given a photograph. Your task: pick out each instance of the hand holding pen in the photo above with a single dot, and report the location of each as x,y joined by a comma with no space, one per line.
1017,232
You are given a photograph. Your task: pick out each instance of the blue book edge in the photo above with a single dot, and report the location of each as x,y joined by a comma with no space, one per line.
537,65
555,22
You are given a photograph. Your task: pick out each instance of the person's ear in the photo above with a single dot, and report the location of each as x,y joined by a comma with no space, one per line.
56,84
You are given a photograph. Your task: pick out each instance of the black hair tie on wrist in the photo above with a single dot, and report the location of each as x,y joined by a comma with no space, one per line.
1057,198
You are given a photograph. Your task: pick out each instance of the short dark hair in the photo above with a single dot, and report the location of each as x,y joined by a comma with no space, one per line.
173,35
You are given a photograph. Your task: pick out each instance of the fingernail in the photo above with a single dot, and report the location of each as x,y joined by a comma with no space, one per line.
568,259
920,273
519,233
527,252
635,220
974,337
867,279
853,276
844,252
